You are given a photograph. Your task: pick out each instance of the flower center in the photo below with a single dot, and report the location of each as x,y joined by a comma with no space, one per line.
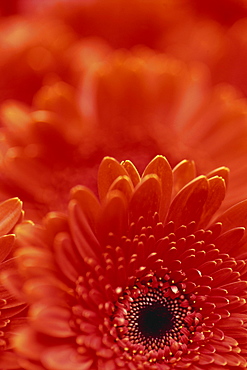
155,315
154,320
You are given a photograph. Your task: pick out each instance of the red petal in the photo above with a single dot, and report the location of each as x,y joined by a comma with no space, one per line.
114,215
65,357
220,172
183,173
229,240
220,276
87,202
235,216
161,167
146,198
10,212
132,172
188,205
205,359
54,223
123,184
236,288
27,344
6,245
219,360
52,320
235,359
216,194
66,256
109,170
82,233
8,360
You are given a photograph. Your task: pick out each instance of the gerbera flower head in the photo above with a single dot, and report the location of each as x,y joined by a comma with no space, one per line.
143,279
10,307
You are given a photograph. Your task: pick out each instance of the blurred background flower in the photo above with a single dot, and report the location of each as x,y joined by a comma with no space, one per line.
94,78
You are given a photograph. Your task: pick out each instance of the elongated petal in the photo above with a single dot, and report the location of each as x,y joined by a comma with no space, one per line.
235,216
64,357
113,217
161,167
66,256
87,202
229,240
10,212
6,245
188,205
221,172
83,235
123,184
109,170
53,320
183,173
132,172
146,198
216,194
8,360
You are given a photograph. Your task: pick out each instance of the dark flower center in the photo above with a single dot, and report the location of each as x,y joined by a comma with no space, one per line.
155,315
154,321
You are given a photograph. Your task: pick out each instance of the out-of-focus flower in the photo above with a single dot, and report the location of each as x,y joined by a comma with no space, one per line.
126,104
142,280
210,32
31,49
10,307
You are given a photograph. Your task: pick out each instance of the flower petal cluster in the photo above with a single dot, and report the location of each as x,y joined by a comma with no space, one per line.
151,277
11,308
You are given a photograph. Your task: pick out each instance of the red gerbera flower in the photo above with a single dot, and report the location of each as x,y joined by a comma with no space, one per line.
10,307
146,279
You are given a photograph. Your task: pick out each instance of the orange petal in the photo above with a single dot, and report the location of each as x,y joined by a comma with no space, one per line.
26,343
123,184
235,216
87,202
54,223
188,204
10,212
82,233
109,170
183,173
6,244
52,320
216,194
146,198
132,172
12,309
66,256
221,172
8,360
12,282
114,215
161,167
229,240
64,357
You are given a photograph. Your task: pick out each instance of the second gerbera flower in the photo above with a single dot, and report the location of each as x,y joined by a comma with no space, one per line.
139,281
